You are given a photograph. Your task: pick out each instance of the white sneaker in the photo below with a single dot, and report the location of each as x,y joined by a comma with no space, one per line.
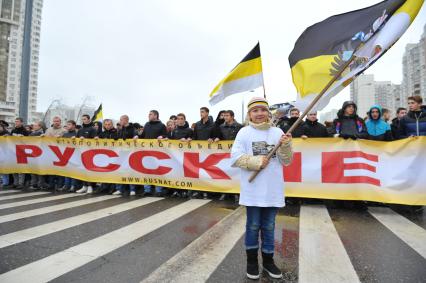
82,190
117,193
72,189
132,193
89,189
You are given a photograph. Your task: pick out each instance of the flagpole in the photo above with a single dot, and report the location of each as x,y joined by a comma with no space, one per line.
308,109
264,91
263,78
242,108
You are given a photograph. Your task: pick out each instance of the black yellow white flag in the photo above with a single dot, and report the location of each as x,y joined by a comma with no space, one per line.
246,76
363,35
98,116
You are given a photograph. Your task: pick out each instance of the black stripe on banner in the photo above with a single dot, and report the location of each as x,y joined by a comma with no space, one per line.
377,254
329,36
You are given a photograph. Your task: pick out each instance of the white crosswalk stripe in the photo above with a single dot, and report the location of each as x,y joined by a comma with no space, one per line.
37,200
18,196
38,231
60,263
53,208
9,191
410,233
321,253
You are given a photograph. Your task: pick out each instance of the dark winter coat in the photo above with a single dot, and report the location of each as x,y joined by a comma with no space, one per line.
298,132
395,128
216,131
36,133
282,122
109,134
229,132
19,131
315,129
203,131
349,126
87,131
153,130
127,132
413,124
70,134
181,132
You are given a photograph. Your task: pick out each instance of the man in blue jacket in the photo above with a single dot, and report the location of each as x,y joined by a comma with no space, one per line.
377,128
414,123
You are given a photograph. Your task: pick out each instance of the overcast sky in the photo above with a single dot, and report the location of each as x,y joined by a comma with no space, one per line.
136,55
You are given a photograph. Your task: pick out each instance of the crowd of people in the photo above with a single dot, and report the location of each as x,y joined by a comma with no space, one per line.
347,125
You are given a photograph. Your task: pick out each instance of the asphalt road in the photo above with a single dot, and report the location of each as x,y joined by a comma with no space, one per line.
103,238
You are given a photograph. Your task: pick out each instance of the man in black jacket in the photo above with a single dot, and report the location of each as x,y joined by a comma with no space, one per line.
203,131
126,130
109,131
154,129
19,130
313,128
299,131
203,128
183,133
86,132
400,112
230,128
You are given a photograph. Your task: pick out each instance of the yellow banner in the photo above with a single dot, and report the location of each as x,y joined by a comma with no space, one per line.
332,168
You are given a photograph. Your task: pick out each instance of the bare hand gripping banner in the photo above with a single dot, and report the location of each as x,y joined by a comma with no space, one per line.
389,172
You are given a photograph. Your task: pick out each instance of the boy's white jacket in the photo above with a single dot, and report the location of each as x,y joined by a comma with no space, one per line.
267,190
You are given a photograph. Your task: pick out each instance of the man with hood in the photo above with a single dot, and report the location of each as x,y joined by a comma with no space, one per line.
154,129
348,124
300,129
377,128
414,123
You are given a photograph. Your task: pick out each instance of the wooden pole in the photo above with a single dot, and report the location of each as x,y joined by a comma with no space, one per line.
307,110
